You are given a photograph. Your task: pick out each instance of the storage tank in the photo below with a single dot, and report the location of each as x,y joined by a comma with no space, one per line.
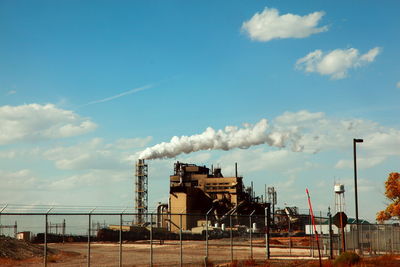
339,188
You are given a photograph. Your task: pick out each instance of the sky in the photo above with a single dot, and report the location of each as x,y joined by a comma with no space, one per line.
280,87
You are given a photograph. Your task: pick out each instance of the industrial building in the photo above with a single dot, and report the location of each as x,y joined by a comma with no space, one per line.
198,190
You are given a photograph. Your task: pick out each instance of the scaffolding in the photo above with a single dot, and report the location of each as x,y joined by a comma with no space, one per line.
141,198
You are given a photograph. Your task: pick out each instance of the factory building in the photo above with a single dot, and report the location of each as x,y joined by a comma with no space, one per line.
196,190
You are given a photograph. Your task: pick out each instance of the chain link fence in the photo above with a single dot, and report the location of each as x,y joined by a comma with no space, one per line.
110,237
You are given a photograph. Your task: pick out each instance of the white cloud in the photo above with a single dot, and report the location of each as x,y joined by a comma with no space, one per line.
89,188
300,116
317,132
8,154
398,84
196,157
383,141
128,143
105,167
363,185
18,180
250,159
312,132
11,92
336,63
95,154
94,178
269,25
35,122
320,132
362,163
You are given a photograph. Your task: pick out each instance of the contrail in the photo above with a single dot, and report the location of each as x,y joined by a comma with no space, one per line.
229,138
132,91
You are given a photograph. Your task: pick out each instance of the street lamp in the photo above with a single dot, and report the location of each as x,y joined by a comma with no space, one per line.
355,185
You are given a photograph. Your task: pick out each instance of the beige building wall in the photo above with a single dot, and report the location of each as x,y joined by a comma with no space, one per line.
178,206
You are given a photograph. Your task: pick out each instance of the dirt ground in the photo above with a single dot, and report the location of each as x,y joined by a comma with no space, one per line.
168,254
11,248
138,254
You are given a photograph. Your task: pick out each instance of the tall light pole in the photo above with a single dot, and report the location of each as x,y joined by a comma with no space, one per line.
355,141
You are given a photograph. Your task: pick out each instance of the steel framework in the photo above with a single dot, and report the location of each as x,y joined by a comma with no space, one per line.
141,198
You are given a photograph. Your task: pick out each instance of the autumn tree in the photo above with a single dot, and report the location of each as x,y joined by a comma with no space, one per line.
392,192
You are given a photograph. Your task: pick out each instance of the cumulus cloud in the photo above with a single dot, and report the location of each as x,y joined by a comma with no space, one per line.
269,25
336,63
83,155
363,163
35,122
129,143
302,131
95,154
21,179
249,160
383,141
316,132
300,116
89,179
363,185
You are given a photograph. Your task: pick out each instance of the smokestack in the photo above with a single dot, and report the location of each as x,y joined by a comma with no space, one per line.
224,139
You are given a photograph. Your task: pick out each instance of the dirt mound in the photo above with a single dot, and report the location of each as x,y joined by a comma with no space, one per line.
11,248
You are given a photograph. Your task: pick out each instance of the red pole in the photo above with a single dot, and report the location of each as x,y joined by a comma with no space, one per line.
315,228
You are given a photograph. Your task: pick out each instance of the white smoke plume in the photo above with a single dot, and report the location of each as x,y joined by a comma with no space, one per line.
229,138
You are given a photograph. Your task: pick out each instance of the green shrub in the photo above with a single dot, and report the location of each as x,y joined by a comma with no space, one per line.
347,259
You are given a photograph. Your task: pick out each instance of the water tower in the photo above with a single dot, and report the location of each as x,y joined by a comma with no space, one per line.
339,197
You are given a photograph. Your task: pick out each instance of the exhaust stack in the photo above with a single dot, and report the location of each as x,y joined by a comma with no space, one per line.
141,192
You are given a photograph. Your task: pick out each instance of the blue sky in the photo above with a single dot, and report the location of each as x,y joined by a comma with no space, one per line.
85,86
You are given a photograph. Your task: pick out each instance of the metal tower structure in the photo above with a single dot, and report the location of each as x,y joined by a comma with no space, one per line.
141,197
339,197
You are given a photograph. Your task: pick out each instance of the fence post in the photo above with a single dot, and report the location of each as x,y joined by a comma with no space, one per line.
251,240
330,235
1,229
63,231
231,236
120,240
207,232
361,239
180,240
355,245
45,241
378,239
396,234
267,228
386,241
45,237
370,239
290,240
311,235
391,245
151,239
88,252
15,229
